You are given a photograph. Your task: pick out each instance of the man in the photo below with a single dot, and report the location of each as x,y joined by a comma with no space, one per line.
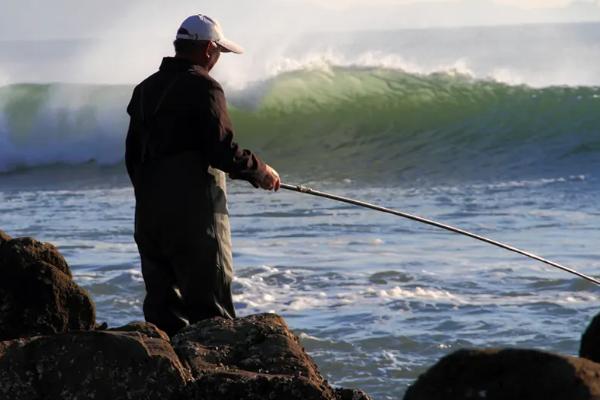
180,138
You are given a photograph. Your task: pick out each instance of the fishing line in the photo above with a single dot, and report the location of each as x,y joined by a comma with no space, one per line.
307,190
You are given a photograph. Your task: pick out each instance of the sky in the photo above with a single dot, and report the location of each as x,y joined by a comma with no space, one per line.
125,41
59,19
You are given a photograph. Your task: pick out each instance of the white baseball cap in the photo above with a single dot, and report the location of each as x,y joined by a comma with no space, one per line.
202,27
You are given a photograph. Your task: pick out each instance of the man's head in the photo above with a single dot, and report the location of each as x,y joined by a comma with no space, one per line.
200,39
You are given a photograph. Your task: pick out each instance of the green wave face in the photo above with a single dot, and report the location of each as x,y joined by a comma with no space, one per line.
374,123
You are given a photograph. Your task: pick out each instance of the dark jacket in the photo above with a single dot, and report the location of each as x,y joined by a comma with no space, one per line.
181,109
179,127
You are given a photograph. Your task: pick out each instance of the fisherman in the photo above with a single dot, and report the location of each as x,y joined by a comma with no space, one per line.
180,140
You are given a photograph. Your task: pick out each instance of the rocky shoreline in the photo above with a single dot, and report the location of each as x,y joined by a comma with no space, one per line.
52,348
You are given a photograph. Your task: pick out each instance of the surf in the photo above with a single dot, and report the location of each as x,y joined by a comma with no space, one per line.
367,121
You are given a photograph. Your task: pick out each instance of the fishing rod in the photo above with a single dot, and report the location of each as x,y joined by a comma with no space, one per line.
307,190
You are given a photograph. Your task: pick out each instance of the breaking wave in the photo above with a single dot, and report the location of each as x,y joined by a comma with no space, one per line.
338,122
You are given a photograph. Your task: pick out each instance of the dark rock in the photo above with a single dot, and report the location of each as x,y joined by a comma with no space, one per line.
38,299
258,343
508,374
90,365
351,394
23,251
242,385
145,328
253,358
590,341
101,327
4,237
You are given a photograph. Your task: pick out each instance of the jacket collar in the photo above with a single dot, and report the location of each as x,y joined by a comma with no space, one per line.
174,64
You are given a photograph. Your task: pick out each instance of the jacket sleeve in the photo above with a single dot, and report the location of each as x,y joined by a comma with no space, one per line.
222,152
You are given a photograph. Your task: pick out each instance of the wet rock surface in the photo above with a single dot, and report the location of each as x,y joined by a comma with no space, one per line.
248,386
258,343
145,328
23,251
90,365
38,299
253,358
37,293
508,374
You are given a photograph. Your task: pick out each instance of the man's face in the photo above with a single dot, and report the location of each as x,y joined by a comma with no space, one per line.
213,53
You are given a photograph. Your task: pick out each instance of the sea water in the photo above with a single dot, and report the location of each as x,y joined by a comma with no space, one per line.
375,299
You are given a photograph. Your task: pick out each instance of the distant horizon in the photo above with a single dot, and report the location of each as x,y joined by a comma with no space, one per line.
67,19
344,31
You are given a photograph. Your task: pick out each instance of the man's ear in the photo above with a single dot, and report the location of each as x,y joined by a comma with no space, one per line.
206,48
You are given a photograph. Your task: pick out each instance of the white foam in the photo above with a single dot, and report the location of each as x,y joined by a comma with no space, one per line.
114,247
579,298
417,293
306,336
303,303
268,298
324,61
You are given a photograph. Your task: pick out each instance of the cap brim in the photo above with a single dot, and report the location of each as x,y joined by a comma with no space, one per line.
228,46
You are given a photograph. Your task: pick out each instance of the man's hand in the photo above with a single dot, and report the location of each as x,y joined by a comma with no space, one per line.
270,180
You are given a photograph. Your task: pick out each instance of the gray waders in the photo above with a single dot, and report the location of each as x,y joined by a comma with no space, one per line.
183,236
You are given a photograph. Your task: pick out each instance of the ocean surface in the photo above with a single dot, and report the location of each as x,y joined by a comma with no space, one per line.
375,299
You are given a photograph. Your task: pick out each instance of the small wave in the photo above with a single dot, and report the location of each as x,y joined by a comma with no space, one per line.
535,182
384,277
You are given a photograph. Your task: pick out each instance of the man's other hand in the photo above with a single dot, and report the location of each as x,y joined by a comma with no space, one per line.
270,180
